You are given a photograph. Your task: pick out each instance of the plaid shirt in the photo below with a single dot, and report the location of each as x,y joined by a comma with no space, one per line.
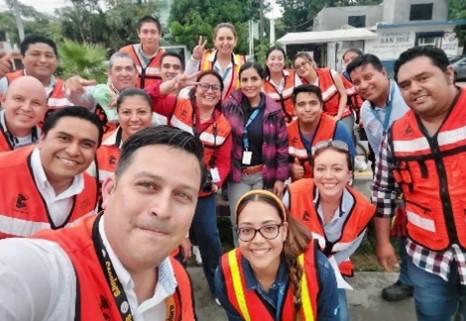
385,192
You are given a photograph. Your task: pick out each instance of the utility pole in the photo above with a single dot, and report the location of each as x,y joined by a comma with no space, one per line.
261,22
19,22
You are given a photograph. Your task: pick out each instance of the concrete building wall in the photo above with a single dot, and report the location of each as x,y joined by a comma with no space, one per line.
398,11
337,17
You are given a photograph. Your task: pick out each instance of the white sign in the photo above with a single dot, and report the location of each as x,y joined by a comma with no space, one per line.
390,44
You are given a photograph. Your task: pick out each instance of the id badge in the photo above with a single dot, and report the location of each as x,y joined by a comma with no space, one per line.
215,175
247,157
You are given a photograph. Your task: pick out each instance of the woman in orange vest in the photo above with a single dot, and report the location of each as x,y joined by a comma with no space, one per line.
336,214
335,89
279,82
134,109
276,273
222,59
201,116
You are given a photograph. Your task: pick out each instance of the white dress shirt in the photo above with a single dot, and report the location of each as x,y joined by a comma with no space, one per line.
38,282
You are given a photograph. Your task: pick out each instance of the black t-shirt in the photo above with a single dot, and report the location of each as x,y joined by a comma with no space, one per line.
255,130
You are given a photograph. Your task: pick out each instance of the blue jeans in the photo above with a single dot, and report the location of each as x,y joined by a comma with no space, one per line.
343,305
204,231
404,278
434,298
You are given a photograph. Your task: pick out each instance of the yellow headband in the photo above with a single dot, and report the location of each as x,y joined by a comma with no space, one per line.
265,193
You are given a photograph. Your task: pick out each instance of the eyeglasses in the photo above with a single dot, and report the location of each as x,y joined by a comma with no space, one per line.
206,86
173,66
268,232
338,144
301,65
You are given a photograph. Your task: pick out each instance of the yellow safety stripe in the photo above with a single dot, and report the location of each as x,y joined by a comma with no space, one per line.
305,297
237,286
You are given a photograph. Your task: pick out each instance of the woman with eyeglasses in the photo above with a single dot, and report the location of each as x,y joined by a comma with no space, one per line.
279,81
336,214
260,140
201,116
276,273
335,89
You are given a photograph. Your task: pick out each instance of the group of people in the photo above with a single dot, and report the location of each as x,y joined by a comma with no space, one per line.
105,187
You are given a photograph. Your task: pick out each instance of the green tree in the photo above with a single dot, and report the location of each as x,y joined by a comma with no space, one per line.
457,10
87,60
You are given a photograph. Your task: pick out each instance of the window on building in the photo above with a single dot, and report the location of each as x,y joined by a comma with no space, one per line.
433,39
357,21
421,11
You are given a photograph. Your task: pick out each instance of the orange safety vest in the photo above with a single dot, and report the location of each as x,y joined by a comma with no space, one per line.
5,145
23,210
211,137
325,130
248,303
207,63
108,154
57,98
284,98
149,74
330,94
302,195
430,173
95,296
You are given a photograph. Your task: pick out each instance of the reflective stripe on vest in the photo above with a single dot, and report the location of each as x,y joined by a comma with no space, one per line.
305,296
236,277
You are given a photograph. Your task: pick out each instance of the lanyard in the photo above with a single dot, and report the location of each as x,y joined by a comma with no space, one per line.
386,121
251,118
114,284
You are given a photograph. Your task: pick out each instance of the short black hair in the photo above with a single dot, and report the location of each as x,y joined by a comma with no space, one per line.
32,39
307,88
436,55
161,135
129,92
172,54
363,60
149,19
253,65
72,111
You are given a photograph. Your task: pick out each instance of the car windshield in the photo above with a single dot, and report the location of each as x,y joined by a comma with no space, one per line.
455,59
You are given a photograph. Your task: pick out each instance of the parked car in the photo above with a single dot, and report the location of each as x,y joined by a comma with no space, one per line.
459,65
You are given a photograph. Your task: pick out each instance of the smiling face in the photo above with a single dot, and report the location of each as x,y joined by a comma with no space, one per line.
134,114
331,173
304,68
40,61
68,148
170,67
208,92
123,73
225,41
308,108
251,83
262,254
370,83
148,210
275,61
427,89
25,104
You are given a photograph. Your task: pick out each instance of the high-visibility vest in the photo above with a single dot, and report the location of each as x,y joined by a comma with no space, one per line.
302,194
430,172
108,154
211,137
149,74
57,98
95,295
207,63
248,303
23,210
284,98
325,130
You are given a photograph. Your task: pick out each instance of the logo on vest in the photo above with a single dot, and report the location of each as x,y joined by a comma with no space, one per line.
306,216
21,201
104,307
112,160
124,307
409,130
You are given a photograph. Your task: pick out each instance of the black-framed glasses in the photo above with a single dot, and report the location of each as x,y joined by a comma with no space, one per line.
204,86
338,144
268,232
